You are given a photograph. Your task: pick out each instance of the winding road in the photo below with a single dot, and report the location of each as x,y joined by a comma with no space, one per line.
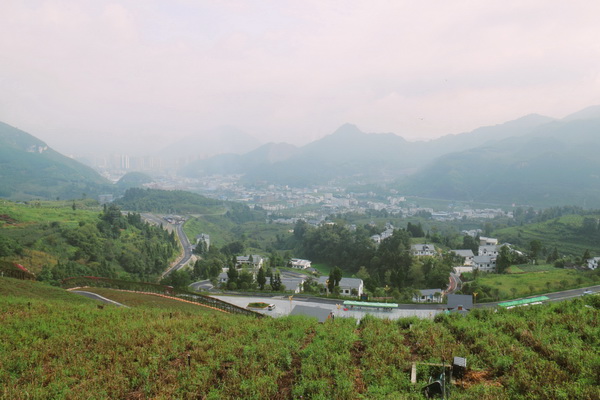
186,255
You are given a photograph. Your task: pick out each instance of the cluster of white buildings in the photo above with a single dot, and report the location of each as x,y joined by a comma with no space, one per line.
389,231
592,263
485,260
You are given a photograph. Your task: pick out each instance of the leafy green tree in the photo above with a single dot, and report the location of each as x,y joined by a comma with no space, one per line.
232,275
586,256
300,229
233,248
535,247
552,257
9,246
200,248
178,279
487,229
246,280
415,230
261,278
363,273
394,259
330,284
336,274
276,282
469,242
504,259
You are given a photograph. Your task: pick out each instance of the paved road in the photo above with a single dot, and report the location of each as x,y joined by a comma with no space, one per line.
455,283
200,286
283,306
185,257
153,219
556,296
97,297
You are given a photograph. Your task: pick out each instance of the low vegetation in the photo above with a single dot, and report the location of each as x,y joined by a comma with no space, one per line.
56,240
138,300
54,344
526,280
570,234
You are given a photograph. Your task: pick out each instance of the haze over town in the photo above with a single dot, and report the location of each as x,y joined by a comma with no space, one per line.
98,76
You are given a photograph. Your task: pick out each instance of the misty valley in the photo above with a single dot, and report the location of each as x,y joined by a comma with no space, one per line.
357,266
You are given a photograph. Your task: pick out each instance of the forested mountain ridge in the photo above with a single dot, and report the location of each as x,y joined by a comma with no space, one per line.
29,169
555,164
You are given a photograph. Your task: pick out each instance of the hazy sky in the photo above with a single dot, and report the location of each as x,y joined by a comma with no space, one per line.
82,73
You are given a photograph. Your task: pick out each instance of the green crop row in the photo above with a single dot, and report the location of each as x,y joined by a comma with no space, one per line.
61,346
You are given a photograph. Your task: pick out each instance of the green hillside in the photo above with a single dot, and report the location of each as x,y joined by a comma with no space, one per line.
29,169
146,300
571,234
168,201
16,288
555,165
133,179
56,348
56,240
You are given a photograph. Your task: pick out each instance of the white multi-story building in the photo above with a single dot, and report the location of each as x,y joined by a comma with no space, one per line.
485,263
299,263
423,250
466,254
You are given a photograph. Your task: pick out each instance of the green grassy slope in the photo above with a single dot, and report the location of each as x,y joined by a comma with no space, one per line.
17,288
149,301
55,241
57,349
29,169
565,233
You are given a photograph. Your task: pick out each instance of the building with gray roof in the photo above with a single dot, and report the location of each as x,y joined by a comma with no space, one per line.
348,286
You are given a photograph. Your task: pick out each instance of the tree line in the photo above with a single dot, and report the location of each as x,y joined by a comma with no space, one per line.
389,264
112,245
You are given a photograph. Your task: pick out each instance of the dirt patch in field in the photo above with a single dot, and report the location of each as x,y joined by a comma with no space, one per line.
287,380
473,378
410,343
8,219
357,351
138,395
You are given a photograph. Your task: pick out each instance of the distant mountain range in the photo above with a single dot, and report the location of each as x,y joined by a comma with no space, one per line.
352,155
556,163
533,160
29,169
